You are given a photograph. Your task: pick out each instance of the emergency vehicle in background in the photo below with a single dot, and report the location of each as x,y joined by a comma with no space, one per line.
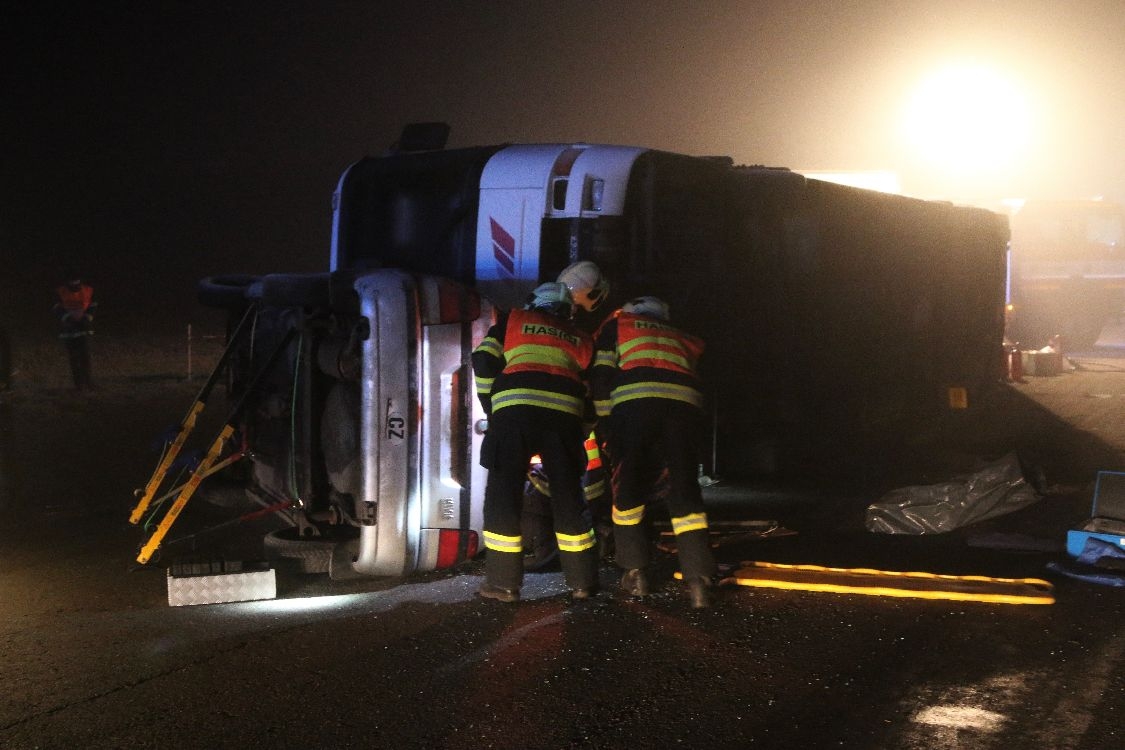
1067,275
830,312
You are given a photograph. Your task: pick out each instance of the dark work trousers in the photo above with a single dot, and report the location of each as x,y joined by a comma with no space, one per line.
649,435
78,352
515,434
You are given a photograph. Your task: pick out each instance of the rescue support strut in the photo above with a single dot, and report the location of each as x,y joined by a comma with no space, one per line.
212,455
187,425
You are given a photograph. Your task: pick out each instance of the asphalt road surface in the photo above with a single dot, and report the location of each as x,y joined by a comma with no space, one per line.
92,656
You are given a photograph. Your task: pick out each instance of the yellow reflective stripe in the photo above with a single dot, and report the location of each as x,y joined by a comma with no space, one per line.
690,522
642,341
484,385
541,485
630,517
491,346
575,542
605,358
502,543
676,359
594,490
909,584
534,397
540,354
650,389
602,407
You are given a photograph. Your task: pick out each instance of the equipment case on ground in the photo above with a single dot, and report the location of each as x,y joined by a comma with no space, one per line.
1107,516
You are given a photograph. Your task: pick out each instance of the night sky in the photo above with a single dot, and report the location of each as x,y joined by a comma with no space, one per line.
148,144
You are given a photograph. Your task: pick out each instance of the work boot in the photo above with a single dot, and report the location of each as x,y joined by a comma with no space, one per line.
488,591
699,591
634,582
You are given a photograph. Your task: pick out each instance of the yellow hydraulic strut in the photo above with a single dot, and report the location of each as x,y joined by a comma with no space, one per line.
185,494
186,427
204,467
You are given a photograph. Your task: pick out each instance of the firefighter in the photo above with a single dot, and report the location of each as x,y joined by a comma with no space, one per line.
75,311
645,381
529,371
589,290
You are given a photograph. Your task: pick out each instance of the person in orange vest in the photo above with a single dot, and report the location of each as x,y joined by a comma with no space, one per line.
75,312
529,372
645,381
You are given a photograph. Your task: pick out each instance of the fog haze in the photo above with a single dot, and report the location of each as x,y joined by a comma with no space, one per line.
149,144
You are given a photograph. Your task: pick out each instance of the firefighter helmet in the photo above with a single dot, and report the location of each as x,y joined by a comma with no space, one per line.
652,307
587,285
552,297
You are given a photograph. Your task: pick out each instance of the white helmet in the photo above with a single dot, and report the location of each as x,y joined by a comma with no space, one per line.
552,297
652,307
586,284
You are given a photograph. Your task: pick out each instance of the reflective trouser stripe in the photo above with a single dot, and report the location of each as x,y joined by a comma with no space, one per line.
502,543
575,542
630,517
690,522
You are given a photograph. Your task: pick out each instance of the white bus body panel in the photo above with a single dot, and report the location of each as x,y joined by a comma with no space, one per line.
609,164
516,192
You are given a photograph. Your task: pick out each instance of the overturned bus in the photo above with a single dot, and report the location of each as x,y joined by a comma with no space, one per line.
828,311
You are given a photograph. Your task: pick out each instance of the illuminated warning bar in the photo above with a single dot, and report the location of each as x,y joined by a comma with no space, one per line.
871,582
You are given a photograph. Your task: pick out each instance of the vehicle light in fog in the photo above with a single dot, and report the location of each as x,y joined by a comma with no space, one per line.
449,547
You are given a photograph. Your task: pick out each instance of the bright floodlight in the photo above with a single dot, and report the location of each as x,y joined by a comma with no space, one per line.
968,118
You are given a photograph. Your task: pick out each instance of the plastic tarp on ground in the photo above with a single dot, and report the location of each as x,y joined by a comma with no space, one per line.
938,508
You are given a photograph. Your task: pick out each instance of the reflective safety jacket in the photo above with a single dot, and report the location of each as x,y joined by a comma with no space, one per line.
531,358
642,357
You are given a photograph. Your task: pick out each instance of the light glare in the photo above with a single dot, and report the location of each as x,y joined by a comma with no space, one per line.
968,118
